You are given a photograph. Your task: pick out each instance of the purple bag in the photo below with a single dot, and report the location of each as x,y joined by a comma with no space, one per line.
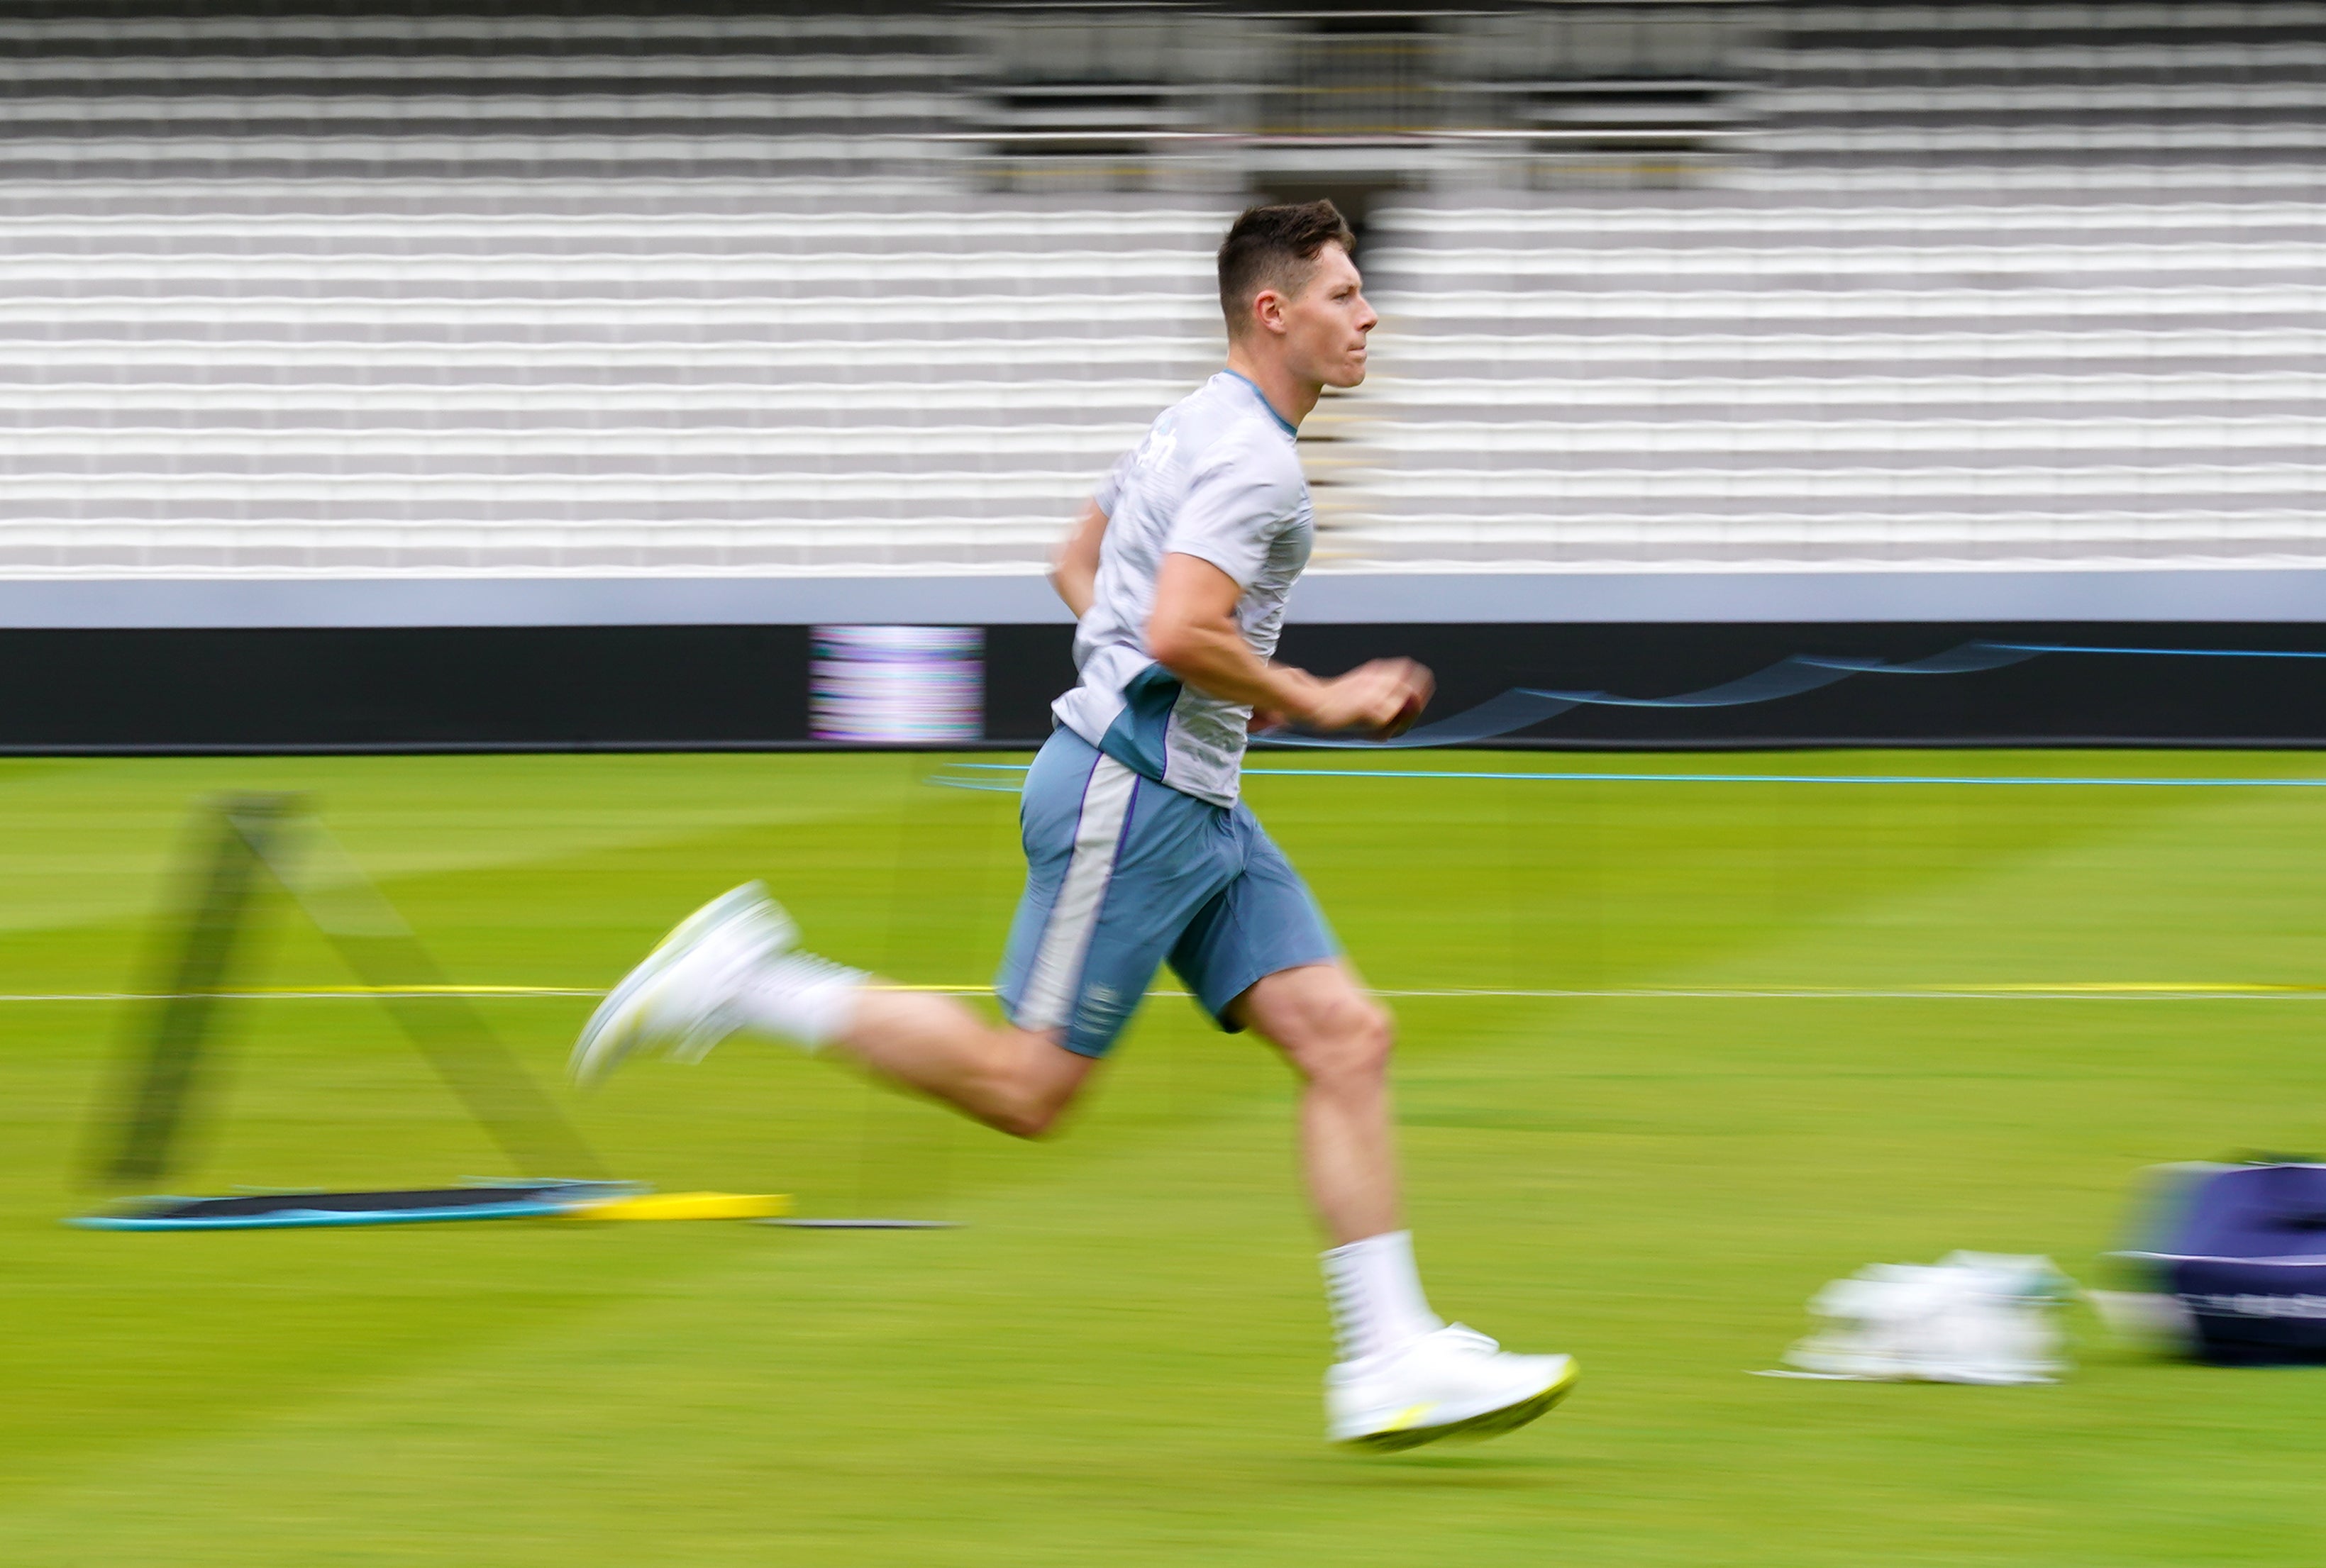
2242,1248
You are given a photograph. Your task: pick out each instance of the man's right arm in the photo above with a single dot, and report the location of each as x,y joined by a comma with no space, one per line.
1193,634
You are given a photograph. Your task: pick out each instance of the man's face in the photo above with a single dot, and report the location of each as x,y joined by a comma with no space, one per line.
1325,323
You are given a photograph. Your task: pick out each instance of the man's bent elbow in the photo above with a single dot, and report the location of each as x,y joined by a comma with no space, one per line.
1171,646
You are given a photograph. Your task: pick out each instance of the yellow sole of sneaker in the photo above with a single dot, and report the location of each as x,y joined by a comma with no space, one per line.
1476,1428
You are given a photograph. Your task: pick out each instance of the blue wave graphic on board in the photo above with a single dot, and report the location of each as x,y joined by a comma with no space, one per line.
1523,706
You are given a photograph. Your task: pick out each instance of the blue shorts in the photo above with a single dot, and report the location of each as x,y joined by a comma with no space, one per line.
1121,873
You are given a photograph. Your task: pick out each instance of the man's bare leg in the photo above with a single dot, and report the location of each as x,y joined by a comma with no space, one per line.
1404,1376
1018,1081
733,965
1334,1035
1338,1040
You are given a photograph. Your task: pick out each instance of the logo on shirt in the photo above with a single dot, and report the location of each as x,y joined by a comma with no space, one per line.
1161,445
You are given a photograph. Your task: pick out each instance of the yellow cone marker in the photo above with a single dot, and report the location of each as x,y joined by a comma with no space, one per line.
684,1206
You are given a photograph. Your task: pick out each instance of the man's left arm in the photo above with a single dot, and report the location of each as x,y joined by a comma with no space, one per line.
1074,568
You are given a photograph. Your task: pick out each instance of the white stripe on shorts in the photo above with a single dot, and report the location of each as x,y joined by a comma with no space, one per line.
1049,996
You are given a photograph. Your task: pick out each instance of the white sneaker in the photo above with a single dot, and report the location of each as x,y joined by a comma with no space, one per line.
677,998
1453,1383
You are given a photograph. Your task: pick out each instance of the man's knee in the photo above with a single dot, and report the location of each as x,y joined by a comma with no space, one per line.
1039,1109
1032,1119
1043,1078
1342,1035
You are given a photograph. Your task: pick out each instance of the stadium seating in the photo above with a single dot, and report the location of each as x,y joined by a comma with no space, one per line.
1996,285
632,375
432,293
435,294
1746,378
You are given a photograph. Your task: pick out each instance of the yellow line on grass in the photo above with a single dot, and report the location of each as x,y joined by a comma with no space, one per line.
2005,990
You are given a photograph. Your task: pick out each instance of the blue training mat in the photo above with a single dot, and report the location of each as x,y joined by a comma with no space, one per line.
285,1210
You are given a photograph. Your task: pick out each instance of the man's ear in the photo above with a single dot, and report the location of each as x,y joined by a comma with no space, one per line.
1268,311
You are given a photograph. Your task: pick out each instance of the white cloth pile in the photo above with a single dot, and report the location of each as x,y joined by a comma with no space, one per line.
1974,1317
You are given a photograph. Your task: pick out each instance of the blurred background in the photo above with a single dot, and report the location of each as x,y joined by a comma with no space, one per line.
488,375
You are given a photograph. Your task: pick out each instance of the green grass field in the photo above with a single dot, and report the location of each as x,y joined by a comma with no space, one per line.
1116,1358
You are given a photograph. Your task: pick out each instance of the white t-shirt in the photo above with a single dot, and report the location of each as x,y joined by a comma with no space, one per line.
1218,477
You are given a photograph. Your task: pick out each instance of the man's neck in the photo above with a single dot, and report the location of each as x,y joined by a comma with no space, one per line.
1286,393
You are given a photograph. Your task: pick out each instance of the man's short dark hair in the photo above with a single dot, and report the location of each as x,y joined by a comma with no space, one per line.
1275,247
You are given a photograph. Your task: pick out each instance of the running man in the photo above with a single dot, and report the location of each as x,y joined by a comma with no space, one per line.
1138,851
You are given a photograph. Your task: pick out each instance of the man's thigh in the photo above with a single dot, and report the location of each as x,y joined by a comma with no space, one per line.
1263,923
1116,866
1310,1010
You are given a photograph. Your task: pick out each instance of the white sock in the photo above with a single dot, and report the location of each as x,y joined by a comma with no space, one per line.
805,999
1376,1295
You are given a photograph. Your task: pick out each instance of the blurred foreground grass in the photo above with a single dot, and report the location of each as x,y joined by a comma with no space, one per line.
1116,1361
